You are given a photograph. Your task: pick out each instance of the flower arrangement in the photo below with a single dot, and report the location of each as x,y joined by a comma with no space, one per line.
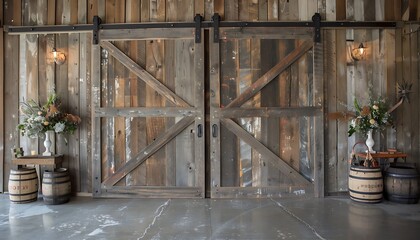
373,116
39,119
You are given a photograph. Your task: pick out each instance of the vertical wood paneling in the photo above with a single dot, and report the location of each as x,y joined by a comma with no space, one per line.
341,103
155,65
12,16
2,119
414,109
73,108
61,75
331,153
134,141
215,79
392,58
44,66
29,85
119,83
84,101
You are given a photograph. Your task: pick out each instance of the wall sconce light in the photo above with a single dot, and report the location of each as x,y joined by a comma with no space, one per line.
359,53
59,57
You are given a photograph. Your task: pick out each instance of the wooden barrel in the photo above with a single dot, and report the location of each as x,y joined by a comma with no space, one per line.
365,184
56,186
23,185
402,184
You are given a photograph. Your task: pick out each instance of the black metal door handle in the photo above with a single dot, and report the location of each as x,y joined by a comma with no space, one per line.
214,130
200,130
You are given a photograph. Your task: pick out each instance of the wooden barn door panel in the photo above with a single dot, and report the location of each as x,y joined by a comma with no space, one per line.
149,115
266,113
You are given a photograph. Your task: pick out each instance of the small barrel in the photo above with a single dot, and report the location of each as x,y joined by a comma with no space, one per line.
365,184
402,184
23,185
56,186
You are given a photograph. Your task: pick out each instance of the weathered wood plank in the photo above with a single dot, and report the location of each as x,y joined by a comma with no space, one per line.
331,142
289,11
286,131
231,10
85,113
271,74
155,53
148,151
119,94
243,81
273,158
2,100
284,192
61,73
30,88
173,159
74,108
200,121
144,75
228,91
171,82
390,62
185,86
219,7
134,142
269,98
214,127
266,33
141,178
318,122
107,100
341,103
84,101
267,112
198,7
97,164
12,16
146,112
414,59
146,34
153,192
274,11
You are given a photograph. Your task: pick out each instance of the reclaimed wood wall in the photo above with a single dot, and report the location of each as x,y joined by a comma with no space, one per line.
30,73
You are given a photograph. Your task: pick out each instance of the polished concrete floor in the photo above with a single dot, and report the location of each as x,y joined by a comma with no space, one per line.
308,218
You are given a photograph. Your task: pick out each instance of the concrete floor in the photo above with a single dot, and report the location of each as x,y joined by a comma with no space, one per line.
329,218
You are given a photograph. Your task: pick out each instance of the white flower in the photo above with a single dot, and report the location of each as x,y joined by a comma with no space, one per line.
353,122
39,119
59,127
372,121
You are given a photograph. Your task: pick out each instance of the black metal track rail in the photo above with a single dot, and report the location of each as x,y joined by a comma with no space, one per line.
216,23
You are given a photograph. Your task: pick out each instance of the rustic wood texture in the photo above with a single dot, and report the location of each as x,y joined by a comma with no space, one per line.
392,59
12,16
1,107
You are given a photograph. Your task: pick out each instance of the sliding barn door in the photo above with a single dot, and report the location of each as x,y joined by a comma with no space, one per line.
148,111
266,114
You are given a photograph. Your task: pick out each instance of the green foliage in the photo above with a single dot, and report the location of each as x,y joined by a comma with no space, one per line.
37,119
373,116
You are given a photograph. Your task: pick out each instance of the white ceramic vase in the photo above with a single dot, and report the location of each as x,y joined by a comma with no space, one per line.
370,142
47,144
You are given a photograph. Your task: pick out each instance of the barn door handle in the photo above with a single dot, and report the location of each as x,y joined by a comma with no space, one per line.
214,130
200,130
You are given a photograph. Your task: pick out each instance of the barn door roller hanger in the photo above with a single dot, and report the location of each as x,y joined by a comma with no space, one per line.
198,24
